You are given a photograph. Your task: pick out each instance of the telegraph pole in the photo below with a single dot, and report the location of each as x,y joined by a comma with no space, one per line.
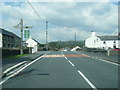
46,35
21,49
21,28
75,39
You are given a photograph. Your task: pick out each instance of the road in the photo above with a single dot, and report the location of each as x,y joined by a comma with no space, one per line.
60,69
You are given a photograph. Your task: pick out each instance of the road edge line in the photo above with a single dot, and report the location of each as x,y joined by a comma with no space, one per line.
103,60
1,82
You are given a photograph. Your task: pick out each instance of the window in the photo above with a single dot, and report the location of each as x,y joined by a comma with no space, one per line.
114,42
104,42
8,45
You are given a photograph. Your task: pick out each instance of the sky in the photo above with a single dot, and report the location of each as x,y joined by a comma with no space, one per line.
64,19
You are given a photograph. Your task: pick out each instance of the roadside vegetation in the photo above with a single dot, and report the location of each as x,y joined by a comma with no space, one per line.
16,56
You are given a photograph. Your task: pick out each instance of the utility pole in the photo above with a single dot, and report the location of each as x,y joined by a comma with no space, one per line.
21,49
21,28
75,39
46,35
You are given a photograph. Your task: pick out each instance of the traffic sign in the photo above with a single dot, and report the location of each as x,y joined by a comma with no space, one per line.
26,33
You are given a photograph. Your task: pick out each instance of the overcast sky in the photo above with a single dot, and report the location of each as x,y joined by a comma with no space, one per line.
65,19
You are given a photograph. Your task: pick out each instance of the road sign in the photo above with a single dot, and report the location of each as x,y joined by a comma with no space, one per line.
26,33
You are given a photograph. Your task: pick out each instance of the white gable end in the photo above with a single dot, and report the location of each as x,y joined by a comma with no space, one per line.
31,42
103,42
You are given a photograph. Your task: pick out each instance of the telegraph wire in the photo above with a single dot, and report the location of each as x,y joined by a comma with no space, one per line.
35,11
49,21
42,18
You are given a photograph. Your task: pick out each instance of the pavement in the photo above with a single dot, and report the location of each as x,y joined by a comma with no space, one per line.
60,69
6,63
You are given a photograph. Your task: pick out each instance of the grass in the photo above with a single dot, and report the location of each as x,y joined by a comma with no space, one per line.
16,56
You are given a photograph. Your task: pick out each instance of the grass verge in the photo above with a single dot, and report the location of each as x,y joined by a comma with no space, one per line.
16,56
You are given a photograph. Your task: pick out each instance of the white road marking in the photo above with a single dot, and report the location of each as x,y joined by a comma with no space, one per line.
64,55
103,60
92,86
109,62
14,66
71,63
21,69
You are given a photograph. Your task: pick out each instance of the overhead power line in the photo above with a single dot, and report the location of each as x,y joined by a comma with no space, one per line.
48,20
35,11
42,18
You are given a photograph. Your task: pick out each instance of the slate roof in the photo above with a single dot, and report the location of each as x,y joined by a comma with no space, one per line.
36,41
5,32
109,37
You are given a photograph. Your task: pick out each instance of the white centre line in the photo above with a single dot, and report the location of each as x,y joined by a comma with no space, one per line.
21,69
92,86
64,55
71,63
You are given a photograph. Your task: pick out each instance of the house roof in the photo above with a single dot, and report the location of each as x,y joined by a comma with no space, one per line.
36,41
109,37
5,32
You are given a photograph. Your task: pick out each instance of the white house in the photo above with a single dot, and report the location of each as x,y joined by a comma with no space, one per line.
31,43
103,42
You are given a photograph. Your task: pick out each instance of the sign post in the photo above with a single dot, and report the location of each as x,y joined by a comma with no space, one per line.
20,25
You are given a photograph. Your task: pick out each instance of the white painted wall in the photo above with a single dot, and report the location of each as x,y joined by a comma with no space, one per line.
35,49
110,44
32,43
118,44
94,42
0,40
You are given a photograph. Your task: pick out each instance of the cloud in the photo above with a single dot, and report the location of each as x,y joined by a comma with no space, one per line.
61,1
77,17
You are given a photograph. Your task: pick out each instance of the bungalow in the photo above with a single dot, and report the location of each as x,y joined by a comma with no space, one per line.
103,42
32,45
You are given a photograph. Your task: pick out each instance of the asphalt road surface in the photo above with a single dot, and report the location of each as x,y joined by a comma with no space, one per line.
66,69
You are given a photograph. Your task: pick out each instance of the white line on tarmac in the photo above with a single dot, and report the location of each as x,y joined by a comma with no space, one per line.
91,85
109,62
14,66
21,69
71,63
103,60
64,55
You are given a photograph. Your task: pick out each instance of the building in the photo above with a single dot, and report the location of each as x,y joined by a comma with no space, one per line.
103,42
9,39
32,45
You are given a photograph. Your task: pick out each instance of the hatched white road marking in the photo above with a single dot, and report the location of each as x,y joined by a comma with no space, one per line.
21,69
